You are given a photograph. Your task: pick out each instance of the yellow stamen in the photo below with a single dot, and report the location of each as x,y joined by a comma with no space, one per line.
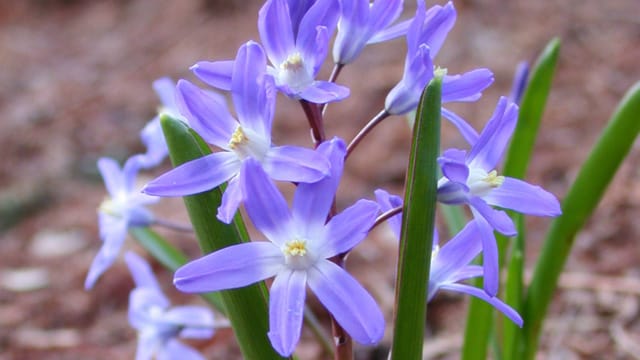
109,207
440,71
296,248
493,179
435,251
294,62
238,138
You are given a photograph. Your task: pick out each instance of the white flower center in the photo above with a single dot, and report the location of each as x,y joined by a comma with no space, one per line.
115,207
171,112
297,255
294,74
481,183
248,144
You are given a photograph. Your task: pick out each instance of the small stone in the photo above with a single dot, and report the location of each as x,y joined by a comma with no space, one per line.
11,315
47,339
25,279
55,243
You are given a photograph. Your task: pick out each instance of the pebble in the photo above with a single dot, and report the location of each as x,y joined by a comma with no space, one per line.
24,279
51,243
47,339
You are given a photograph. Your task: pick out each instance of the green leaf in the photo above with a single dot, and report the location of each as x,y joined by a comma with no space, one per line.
246,307
583,197
478,329
171,258
514,290
531,110
480,315
417,227
454,217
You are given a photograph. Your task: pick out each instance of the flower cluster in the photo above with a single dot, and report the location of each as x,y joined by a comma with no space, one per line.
159,325
307,242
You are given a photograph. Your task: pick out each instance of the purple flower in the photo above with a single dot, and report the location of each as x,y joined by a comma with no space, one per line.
295,35
249,137
159,325
124,208
297,55
425,36
470,178
451,264
361,22
300,245
151,135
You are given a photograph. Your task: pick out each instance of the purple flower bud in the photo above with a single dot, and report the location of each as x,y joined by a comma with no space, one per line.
520,81
359,22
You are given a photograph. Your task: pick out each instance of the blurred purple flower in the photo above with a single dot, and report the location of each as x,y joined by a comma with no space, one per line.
124,208
249,137
451,264
159,325
471,178
361,23
520,81
425,36
151,135
297,254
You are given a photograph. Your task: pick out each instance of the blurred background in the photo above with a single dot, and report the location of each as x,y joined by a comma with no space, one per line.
75,85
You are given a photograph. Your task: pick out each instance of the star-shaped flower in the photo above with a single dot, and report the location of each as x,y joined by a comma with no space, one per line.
124,208
300,245
248,137
295,36
470,178
425,36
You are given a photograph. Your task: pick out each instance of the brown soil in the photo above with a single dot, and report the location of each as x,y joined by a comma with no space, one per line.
75,85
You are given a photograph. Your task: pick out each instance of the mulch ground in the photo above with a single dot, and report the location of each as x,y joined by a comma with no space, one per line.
75,82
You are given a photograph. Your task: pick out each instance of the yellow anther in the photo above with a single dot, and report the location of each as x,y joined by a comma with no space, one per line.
294,62
435,251
109,207
441,72
296,248
238,138
493,179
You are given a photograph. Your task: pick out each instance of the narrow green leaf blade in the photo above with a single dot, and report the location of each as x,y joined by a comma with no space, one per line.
531,110
514,290
246,307
454,217
417,227
169,256
584,195
478,329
